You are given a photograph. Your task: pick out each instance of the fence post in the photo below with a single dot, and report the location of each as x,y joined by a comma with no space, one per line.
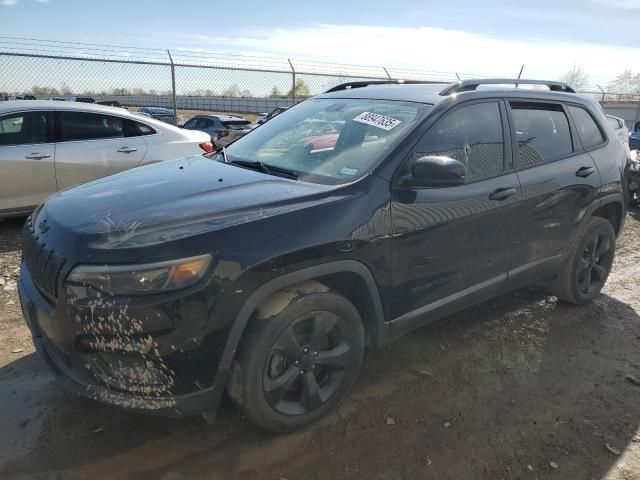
602,90
293,84
387,72
173,90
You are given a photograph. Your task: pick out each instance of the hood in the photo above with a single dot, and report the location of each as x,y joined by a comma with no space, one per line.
171,200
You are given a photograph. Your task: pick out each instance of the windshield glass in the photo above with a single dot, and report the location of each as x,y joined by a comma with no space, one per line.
329,140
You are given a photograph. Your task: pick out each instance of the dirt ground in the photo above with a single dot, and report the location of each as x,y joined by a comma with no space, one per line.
521,387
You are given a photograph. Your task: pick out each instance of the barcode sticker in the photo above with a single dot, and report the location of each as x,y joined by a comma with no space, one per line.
377,120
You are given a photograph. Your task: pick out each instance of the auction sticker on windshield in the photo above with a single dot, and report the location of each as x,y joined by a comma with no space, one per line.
377,120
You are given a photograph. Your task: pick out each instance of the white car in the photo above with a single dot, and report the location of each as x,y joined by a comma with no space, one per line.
47,146
622,132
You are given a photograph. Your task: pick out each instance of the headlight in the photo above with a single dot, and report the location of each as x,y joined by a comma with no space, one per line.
142,279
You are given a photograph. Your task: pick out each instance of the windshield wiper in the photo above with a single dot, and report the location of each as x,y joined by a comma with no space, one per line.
268,169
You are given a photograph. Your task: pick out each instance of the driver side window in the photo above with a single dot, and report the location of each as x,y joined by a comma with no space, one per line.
472,135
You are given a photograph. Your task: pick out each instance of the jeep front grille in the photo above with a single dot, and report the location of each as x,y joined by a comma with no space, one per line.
43,263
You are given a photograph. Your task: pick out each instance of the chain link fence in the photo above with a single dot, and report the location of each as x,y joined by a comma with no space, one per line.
202,80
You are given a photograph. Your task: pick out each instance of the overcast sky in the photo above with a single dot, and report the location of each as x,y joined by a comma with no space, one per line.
489,37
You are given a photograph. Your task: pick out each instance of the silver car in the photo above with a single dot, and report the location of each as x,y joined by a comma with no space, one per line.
47,146
223,129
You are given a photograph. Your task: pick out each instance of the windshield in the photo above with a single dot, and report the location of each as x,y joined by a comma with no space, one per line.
329,140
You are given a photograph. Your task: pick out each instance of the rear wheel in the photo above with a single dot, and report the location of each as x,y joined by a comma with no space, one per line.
588,263
295,366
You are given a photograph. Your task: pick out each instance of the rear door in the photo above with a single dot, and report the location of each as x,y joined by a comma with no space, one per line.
558,178
27,154
94,145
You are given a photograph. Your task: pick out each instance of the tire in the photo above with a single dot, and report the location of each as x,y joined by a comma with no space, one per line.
274,391
584,273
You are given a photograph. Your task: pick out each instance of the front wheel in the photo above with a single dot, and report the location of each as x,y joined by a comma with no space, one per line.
296,365
588,263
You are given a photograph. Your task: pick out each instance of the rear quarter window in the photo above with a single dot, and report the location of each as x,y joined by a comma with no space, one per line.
588,130
137,129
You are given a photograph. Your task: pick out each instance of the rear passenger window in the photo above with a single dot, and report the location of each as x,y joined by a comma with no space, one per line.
590,134
90,126
23,128
471,135
145,129
542,132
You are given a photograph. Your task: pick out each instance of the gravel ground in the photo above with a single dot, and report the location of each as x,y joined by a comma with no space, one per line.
521,387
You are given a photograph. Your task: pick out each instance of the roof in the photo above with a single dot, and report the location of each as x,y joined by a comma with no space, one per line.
12,105
430,93
222,118
423,93
26,105
158,110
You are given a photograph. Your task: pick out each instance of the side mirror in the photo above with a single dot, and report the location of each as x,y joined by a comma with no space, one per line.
436,171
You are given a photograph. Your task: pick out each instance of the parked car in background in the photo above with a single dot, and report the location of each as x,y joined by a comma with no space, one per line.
269,273
619,127
58,99
622,132
82,99
223,129
47,146
110,103
162,114
20,97
268,116
262,117
634,137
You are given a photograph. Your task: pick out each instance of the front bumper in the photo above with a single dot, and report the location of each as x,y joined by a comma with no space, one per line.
124,361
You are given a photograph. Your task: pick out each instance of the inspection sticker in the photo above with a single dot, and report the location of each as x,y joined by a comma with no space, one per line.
377,120
349,171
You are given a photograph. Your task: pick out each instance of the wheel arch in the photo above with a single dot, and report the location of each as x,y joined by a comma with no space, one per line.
610,207
344,276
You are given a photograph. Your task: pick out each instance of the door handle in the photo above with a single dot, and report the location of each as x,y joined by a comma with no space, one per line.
37,156
127,149
584,172
502,193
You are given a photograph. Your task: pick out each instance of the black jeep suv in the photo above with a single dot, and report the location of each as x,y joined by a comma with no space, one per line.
339,225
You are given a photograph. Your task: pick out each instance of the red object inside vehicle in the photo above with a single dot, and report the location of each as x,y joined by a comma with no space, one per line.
319,142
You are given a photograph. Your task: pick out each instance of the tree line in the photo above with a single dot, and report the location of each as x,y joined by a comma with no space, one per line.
301,90
626,83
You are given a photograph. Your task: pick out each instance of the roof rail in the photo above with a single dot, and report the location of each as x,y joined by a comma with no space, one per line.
468,85
366,83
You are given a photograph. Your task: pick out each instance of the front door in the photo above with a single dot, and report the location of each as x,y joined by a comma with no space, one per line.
451,245
27,154
95,145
